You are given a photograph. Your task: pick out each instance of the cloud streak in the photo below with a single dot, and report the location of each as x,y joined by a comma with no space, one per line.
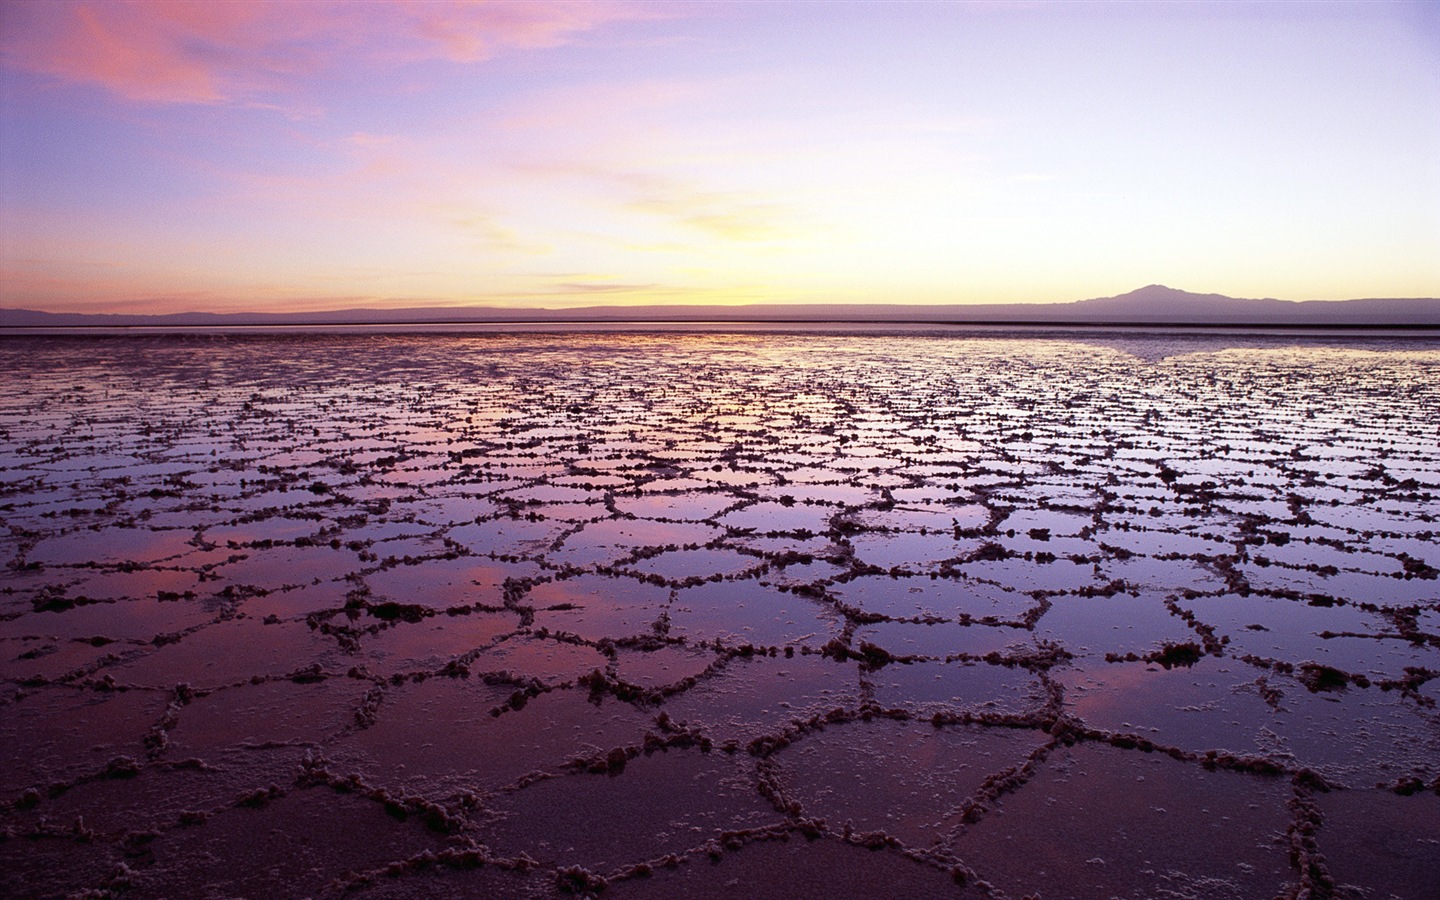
204,52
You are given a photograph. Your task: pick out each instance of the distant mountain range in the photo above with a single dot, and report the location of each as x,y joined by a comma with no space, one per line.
1151,305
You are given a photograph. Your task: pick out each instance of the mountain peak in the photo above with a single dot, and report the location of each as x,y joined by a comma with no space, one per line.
1158,291
1172,303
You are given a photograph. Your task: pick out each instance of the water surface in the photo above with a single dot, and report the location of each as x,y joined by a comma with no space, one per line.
649,611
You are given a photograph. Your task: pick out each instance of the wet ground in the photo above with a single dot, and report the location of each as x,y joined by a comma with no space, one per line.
764,615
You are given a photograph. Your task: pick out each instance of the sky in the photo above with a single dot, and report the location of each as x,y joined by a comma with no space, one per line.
171,156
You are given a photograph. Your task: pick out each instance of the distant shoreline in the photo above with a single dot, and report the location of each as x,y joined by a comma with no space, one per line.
1154,306
717,325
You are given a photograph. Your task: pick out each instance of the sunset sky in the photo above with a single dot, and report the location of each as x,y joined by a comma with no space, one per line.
167,156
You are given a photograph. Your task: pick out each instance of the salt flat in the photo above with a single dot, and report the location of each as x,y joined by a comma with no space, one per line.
664,613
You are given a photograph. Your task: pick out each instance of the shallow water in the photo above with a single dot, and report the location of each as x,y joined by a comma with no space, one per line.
663,613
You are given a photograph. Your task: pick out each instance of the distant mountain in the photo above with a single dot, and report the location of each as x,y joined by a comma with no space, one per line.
1162,305
1151,305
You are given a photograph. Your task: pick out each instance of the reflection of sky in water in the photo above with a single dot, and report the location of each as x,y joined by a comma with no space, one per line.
505,577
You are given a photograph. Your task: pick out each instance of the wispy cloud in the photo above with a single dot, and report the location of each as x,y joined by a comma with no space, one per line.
485,231
587,287
201,51
475,31
732,216
165,52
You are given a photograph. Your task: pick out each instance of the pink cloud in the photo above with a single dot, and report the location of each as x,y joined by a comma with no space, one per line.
194,51
474,31
166,51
